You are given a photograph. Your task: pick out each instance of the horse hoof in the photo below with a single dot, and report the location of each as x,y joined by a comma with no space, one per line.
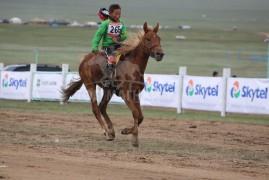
125,131
109,136
112,132
110,139
135,144
135,141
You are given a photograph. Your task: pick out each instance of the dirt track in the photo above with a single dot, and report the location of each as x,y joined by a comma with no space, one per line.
51,146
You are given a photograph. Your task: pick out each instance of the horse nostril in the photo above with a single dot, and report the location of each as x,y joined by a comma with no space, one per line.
160,54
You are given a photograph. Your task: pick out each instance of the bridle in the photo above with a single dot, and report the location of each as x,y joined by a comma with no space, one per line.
149,47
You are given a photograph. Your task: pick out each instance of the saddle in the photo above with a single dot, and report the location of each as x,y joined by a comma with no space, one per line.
121,52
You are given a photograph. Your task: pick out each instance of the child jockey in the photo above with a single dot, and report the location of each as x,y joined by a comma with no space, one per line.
112,30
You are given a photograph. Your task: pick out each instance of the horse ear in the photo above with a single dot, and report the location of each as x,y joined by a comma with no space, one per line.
156,28
145,27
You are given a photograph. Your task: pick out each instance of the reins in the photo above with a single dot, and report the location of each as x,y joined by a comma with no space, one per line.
123,44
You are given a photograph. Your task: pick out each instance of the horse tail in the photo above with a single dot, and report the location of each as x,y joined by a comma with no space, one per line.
71,90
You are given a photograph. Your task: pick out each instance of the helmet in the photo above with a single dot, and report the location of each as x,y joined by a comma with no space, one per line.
103,14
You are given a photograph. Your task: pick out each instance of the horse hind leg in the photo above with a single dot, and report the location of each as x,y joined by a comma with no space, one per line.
96,111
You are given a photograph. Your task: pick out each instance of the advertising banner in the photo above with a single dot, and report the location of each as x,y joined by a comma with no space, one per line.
15,85
47,86
160,90
202,93
248,95
242,95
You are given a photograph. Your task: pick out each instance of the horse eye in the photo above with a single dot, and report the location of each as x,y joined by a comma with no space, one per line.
148,39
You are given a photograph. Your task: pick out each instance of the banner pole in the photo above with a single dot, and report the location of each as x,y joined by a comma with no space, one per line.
32,71
181,73
226,75
36,55
65,68
1,68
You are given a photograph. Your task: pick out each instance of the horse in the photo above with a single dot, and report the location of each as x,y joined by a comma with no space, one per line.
128,81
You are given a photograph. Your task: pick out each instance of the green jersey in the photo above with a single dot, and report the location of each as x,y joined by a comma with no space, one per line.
107,30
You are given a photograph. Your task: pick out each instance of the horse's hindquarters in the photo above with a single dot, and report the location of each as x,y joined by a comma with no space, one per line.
92,67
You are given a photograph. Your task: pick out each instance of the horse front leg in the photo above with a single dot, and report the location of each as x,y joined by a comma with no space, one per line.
133,103
103,105
96,111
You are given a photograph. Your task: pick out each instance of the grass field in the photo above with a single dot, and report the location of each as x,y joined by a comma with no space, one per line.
211,44
204,51
124,111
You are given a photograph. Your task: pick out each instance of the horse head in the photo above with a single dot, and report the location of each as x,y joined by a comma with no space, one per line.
152,42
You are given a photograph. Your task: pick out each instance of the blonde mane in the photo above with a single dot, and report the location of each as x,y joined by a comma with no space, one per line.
131,42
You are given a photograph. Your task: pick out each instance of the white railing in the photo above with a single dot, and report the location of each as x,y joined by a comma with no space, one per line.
221,94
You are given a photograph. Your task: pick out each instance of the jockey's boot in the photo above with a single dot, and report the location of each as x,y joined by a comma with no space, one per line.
109,75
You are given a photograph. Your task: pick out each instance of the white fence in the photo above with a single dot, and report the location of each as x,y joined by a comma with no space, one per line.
221,94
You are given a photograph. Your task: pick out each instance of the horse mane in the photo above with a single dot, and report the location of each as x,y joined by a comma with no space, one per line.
131,43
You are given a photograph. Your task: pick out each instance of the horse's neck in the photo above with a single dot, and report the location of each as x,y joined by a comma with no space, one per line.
141,58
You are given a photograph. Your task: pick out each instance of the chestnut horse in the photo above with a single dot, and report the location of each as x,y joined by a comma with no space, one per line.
129,81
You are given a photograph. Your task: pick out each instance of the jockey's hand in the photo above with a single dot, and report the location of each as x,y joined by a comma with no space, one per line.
115,39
